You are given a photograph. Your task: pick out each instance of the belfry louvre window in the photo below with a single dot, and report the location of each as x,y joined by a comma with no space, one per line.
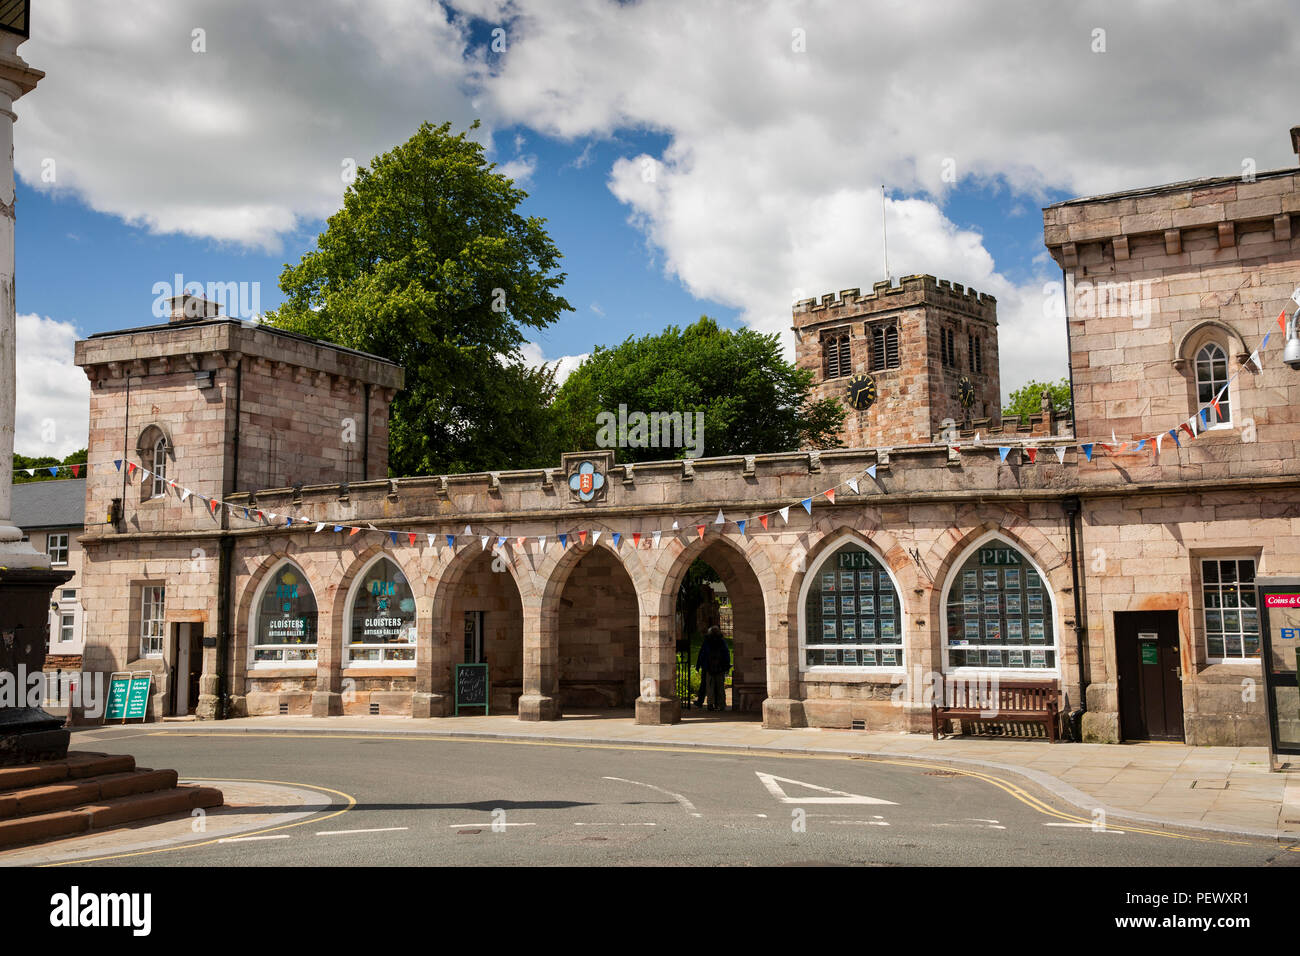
975,354
836,355
884,347
948,347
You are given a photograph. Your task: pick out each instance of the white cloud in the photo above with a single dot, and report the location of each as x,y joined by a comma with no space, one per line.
770,179
243,141
53,394
532,353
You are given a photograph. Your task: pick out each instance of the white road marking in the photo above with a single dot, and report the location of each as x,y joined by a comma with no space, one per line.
686,804
857,823
977,826
489,825
616,824
372,830
249,839
838,796
1081,826
761,815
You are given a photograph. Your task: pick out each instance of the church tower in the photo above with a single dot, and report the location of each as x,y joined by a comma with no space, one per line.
903,360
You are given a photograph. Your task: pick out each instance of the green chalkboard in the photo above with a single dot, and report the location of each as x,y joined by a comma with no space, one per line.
137,698
472,686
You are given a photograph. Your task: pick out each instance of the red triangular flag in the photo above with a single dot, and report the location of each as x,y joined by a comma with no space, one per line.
76,471
762,519
582,536
1032,453
212,503
830,496
636,538
700,530
352,531
1187,428
1281,321
411,535
130,468
520,541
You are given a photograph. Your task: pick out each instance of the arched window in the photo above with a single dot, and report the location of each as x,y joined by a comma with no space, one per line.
159,468
1000,612
1211,377
851,613
381,616
283,629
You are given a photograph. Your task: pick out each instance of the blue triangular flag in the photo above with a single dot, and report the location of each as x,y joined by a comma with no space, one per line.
807,505
117,462
872,471
1205,422
1087,451
1174,432
564,541
54,470
1265,342
392,535
338,527
451,541
1002,452
617,536
287,522
501,542
247,518
742,526
1141,444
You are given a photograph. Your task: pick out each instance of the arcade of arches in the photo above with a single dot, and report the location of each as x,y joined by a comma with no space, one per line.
826,624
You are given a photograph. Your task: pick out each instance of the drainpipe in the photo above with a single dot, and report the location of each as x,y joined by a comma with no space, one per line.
227,547
1073,506
365,448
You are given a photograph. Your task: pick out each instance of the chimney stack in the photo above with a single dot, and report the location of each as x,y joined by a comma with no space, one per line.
186,307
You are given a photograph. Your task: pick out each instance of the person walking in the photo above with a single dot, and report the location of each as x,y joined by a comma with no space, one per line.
713,662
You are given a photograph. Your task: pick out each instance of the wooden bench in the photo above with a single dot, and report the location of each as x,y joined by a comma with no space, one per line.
1028,702
748,695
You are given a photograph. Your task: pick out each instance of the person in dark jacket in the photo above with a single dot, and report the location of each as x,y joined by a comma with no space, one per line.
713,662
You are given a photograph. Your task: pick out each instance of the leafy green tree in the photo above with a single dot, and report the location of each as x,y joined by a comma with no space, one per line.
1028,399
42,464
753,400
430,264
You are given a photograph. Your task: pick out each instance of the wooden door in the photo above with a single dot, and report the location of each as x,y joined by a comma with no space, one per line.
1150,675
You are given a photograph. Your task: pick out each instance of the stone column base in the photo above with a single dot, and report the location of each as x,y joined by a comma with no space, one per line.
29,735
430,705
538,707
1100,727
207,707
326,704
781,713
658,710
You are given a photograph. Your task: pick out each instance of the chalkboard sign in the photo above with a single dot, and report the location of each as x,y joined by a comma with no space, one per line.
472,686
128,696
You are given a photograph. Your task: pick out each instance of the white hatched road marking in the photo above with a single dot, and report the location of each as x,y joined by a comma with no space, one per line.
837,796
686,804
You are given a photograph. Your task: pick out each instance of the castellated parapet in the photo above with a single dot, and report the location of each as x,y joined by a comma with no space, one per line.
917,341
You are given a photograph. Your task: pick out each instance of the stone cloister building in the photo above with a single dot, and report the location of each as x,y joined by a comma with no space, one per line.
283,572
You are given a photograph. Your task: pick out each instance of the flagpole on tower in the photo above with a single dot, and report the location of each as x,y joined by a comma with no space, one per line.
884,234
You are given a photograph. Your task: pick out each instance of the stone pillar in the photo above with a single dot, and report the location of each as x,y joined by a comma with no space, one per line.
657,702
781,709
433,663
327,697
541,663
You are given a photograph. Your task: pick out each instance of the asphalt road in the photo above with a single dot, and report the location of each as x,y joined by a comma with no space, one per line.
422,801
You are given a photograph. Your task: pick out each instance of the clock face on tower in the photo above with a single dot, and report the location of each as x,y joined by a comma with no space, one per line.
862,392
966,392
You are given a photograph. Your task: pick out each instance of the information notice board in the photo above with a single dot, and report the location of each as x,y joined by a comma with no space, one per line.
128,695
472,686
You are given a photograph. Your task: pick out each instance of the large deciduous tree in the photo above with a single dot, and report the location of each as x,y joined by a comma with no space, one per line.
430,264
751,398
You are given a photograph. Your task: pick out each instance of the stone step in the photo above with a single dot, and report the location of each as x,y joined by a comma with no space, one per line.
77,766
106,813
73,793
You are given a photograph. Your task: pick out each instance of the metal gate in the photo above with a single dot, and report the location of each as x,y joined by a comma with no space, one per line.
683,674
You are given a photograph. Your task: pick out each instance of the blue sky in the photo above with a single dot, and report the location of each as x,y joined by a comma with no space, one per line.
691,156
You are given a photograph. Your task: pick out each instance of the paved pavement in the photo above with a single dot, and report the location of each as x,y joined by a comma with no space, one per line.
1221,789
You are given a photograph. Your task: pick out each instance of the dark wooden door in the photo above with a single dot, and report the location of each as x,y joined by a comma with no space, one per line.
1150,677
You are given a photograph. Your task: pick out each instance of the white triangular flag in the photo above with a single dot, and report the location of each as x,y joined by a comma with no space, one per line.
595,536
433,540
853,485
319,526
719,519
785,514
977,438
1060,454
656,535
675,528
541,543
1254,357
1159,439
185,493
485,539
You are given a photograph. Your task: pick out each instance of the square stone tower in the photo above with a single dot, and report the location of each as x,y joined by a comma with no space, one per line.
919,344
